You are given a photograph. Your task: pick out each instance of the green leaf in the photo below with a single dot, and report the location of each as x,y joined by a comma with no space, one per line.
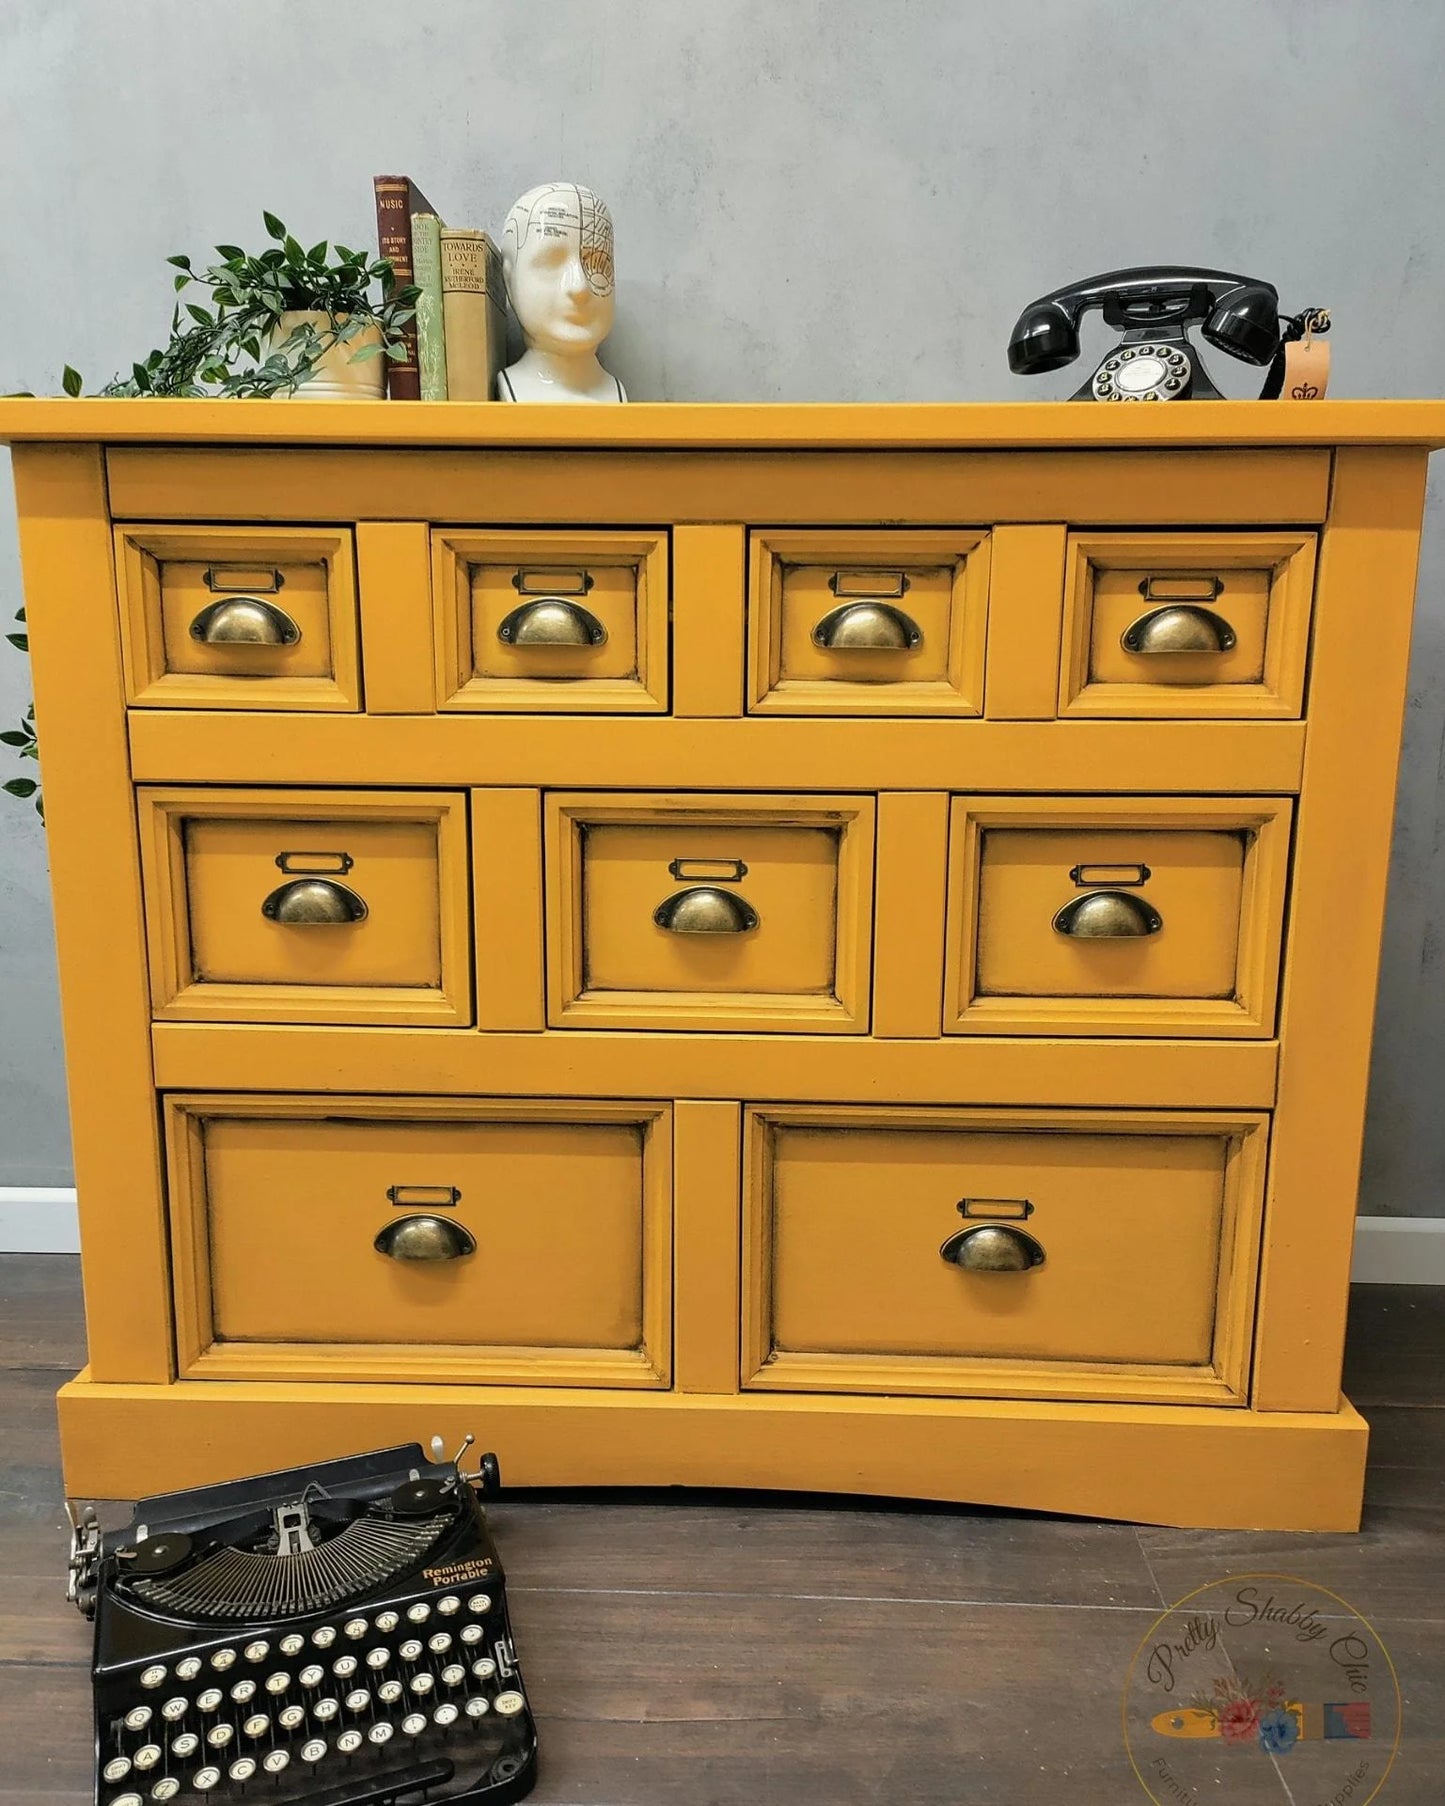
181,282
233,253
397,353
142,377
317,253
199,314
19,641
15,739
20,616
273,225
294,253
22,787
71,381
366,352
181,263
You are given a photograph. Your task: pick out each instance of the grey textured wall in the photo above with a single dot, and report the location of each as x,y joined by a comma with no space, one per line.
844,201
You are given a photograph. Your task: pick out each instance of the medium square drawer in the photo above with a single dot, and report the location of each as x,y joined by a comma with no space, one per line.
1118,915
709,912
1196,625
408,1238
238,617
873,623
307,906
568,623
1078,1254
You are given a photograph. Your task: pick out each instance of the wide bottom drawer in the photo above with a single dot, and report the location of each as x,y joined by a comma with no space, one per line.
517,1241
1075,1254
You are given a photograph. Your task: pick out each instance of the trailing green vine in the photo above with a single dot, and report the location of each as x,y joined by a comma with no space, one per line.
22,736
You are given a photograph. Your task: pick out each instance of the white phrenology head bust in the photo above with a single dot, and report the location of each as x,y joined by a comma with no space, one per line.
557,256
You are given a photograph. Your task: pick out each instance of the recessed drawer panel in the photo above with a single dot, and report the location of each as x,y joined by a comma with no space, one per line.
552,622
238,618
1072,1255
355,1238
307,906
709,912
1187,624
1129,916
868,623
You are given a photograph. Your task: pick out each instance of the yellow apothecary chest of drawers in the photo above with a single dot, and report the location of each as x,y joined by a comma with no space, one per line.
823,947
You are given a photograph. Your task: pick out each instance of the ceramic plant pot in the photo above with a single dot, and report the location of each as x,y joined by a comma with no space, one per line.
339,375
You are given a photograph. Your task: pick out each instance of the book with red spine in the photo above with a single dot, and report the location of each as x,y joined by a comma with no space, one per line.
397,198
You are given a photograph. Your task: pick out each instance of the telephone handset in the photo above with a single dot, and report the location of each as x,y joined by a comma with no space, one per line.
1152,307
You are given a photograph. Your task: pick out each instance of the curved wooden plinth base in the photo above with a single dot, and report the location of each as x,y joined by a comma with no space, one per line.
1188,1466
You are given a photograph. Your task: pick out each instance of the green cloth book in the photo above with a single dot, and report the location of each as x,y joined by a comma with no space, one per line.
431,345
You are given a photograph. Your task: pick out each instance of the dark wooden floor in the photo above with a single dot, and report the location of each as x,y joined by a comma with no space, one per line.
720,1648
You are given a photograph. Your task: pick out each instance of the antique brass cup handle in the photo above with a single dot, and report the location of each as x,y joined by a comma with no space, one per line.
705,909
424,1238
244,621
1107,915
993,1248
314,903
867,626
1180,627
551,621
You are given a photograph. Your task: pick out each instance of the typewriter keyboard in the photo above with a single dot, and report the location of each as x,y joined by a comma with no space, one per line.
350,1709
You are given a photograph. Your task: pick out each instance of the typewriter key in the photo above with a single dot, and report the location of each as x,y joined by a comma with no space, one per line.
278,1682
509,1704
137,1718
377,1658
445,1714
291,1644
414,1723
439,1644
355,1627
156,1554
185,1745
116,1769
358,1700
324,1636
174,1708
257,1651
313,1675
484,1668
344,1667
479,1602
147,1755
224,1658
419,1613
242,1691
205,1779
290,1717
242,1768
380,1733
349,1741
314,1750
257,1725
326,1708
422,1499
454,1674
410,1650
449,1605
275,1760
471,1633
126,1799
152,1676
422,1683
210,1699
389,1692
188,1668
166,1788
476,1707
220,1735
387,1622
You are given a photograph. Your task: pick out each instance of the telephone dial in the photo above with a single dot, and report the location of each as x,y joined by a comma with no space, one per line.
1153,308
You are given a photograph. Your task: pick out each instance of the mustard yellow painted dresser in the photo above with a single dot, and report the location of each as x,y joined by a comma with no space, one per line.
823,947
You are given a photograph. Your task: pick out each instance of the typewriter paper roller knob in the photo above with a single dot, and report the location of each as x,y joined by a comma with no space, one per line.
425,1238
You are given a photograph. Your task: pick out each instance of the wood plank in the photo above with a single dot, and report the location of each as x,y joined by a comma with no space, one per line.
709,619
1025,621
909,909
41,1315
766,1067
393,580
65,548
1358,676
506,831
221,747
707,1141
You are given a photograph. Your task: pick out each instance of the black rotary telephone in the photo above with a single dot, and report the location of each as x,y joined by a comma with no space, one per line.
1155,361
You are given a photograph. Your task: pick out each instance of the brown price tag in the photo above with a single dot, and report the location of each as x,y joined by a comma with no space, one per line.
1306,367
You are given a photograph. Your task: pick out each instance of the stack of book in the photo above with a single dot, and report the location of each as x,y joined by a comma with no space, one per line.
457,342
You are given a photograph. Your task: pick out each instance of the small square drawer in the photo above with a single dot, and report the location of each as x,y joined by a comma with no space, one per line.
238,618
565,623
402,1238
307,906
868,623
709,912
1080,1254
1115,915
1212,625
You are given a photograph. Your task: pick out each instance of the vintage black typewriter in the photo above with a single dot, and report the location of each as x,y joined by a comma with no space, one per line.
335,1635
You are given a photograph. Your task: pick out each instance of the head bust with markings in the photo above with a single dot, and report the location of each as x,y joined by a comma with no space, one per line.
557,258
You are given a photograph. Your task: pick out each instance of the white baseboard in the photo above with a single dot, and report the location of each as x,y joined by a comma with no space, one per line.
41,1219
